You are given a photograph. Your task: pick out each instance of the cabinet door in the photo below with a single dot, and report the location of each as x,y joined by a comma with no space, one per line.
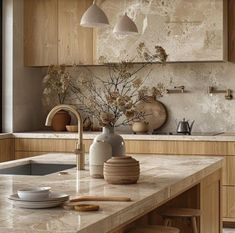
229,202
231,30
7,149
40,32
229,173
75,42
210,201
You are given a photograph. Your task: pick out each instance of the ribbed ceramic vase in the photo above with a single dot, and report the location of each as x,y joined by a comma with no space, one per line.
115,140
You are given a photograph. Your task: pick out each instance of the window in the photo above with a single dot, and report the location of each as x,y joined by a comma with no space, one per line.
1,66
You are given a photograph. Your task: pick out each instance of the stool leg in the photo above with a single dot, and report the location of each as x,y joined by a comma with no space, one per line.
167,222
194,224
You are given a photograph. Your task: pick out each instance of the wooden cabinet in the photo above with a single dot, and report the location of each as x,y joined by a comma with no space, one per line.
75,42
210,204
229,171
40,32
229,202
231,30
176,147
7,149
31,147
53,35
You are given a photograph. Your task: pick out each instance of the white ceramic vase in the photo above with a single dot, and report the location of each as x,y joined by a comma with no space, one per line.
99,152
115,140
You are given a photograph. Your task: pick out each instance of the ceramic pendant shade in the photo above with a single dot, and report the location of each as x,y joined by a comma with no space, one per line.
125,26
94,17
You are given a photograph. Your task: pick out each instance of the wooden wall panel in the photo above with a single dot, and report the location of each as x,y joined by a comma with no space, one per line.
75,42
7,149
40,32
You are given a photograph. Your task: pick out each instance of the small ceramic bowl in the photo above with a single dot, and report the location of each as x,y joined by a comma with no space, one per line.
72,128
34,194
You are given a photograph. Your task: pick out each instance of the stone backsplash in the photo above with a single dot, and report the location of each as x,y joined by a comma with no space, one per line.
211,113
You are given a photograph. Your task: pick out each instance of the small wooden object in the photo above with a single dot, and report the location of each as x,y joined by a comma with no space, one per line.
86,207
182,213
100,198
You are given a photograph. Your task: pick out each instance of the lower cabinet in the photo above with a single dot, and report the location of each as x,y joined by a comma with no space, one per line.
229,170
229,203
7,149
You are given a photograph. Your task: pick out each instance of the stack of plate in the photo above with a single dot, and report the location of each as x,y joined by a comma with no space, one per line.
121,170
37,199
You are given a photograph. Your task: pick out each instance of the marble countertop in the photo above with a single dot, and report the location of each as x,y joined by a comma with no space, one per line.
213,136
162,177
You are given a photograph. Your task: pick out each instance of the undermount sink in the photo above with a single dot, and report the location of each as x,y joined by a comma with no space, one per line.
35,169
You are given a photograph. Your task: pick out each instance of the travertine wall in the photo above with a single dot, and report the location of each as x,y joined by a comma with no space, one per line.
189,30
211,113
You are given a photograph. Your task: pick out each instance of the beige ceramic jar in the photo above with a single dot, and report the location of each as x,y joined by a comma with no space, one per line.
140,127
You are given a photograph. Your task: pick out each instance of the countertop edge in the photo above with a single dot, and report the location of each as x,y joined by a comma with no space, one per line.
92,135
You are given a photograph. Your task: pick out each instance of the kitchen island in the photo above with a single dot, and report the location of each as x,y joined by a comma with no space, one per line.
183,181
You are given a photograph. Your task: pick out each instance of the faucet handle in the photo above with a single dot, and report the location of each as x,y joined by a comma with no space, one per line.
80,157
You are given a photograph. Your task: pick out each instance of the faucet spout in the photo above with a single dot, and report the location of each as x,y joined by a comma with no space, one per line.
79,148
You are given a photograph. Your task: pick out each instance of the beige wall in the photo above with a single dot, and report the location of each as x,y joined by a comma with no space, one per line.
22,96
22,86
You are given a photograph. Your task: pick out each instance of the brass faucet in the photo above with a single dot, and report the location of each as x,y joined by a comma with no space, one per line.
177,89
79,151
228,92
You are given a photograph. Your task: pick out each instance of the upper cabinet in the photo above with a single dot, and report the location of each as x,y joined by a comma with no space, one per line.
189,31
40,32
53,35
231,30
75,42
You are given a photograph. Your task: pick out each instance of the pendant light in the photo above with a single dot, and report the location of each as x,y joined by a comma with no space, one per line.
125,26
94,16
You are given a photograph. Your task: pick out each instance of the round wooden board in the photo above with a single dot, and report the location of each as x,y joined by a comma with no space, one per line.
156,113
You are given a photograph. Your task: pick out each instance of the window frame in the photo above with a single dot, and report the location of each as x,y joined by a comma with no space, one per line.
1,6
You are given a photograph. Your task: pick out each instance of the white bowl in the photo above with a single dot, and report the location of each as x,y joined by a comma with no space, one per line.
34,194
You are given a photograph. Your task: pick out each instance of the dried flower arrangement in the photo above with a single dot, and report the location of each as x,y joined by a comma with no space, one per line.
108,100
57,84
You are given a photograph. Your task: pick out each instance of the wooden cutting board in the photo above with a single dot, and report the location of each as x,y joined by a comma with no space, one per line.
156,112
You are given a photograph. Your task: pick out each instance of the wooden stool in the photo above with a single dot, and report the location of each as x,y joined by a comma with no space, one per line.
155,229
181,213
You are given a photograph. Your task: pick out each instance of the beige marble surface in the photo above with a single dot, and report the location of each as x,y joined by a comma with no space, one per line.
188,30
216,136
6,135
161,178
229,230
